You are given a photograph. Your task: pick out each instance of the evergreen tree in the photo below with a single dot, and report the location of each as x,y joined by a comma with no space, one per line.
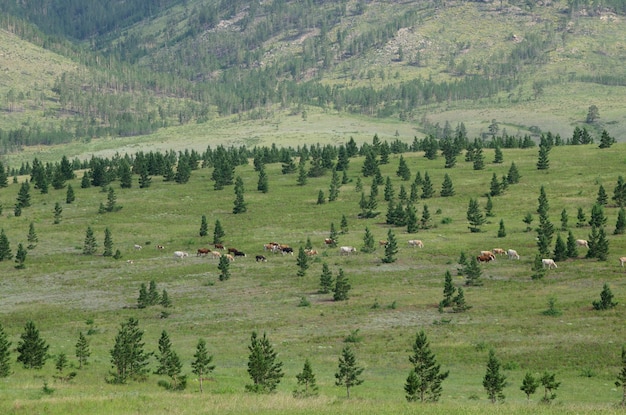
153,294
391,249
489,207
529,385
343,225
621,377
348,372
542,202
23,196
370,164
501,230
165,300
538,270
620,225
494,382
425,378
58,213
572,247
320,197
4,177
474,216
543,162
342,287
335,183
82,350
447,189
58,182
201,365
368,242
20,256
602,198
472,273
306,385
5,247
125,175
458,302
69,195
427,187
448,291
85,182
581,218
169,363
90,245
142,300
239,204
513,175
411,219
302,174
333,235
128,357
619,192
218,233
606,140
32,349
403,170
549,384
478,159
389,192
597,216
263,366
32,236
204,227
402,196
560,249
326,280
564,220
108,243
358,187
262,185
425,221
498,157
528,220
302,261
5,350
606,299
494,188
449,151
224,266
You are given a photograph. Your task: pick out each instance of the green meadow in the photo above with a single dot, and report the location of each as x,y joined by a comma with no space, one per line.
65,292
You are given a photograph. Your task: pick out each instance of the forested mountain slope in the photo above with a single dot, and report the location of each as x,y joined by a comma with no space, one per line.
134,67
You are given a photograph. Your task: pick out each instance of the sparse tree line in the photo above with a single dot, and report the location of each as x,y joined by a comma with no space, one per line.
131,361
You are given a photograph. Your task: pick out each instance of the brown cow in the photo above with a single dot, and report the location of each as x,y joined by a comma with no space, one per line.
219,246
485,258
203,252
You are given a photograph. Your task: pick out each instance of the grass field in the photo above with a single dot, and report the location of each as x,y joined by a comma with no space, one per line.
65,292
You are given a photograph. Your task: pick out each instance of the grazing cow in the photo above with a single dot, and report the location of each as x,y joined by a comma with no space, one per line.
239,253
229,257
130,261
549,263
489,254
485,258
261,258
219,246
138,247
310,252
498,251
329,241
216,254
383,243
270,246
582,242
512,254
416,243
232,250
346,250
160,247
622,260
203,252
286,250
180,254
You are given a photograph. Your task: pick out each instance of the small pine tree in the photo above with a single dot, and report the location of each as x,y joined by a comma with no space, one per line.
58,211
572,247
224,266
560,249
5,247
388,192
458,302
90,245
474,216
263,366
262,185
218,233
201,365
564,220
447,189
478,159
326,280
425,378
32,349
528,220
427,187
529,385
61,363
20,256
494,382
501,230
621,377
543,161
448,291
489,207
342,287
306,385
69,195
606,299
368,242
497,156
32,236
239,203
112,201
142,300
606,140
620,225
619,192
513,175
128,357
302,173
391,249
82,350
348,372
302,261
549,384
472,273
403,170
165,301
5,353
495,189
153,294
538,270
333,235
108,243
581,218
425,220
343,225
321,199
602,198
204,227
411,219
165,348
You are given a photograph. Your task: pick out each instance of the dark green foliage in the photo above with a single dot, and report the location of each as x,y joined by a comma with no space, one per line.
458,302
128,357
23,196
430,145
447,189
474,216
621,376
108,243
549,384
545,232
302,174
620,224
264,368
168,362
302,261
32,349
306,385
391,249
82,350
112,201
489,207
370,164
425,378
425,221
32,236
494,382
320,198
529,385
58,213
606,299
597,216
598,244
85,182
335,183
201,365
90,245
358,187
403,170
368,241
20,256
348,372
5,351
602,197
343,225
165,301
501,230
448,291
142,300
4,177
61,362
411,219
388,192
125,175
326,280
449,151
543,162
495,189
564,220
542,202
606,140
239,204
619,192
528,220
262,185
472,273
58,182
218,233
478,159
224,267
538,270
513,175
552,311
572,247
69,195
581,218
204,227
5,247
427,187
498,157
560,249
342,287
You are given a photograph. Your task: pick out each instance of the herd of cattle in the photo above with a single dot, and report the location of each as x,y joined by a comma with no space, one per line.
275,247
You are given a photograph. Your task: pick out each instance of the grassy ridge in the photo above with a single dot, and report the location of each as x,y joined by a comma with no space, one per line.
61,290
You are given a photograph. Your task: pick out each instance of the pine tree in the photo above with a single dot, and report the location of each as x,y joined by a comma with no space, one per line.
204,227
90,245
391,249
342,287
529,385
501,230
125,175
581,218
218,233
606,299
538,270
494,188
224,266
85,182
560,249
602,198
528,220
69,195
326,280
427,187
239,204
358,187
403,170
348,372
620,225
32,236
388,192
20,256
549,384
58,211
370,164
447,189
606,140
5,350
335,183
142,300
4,177
82,350
321,199
165,300
32,349
23,196
542,202
458,302
513,175
343,225
597,216
543,162
498,157
112,201
425,221
108,243
424,381
128,357
472,273
619,192
489,207
302,261
262,185
478,159
306,385
564,220
263,366
153,293
201,365
5,247
494,382
474,216
302,174
61,363
333,235
621,377
165,348
368,242
572,247
448,291
411,219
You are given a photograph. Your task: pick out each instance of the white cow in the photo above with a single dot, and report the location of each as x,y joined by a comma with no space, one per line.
622,260
582,242
512,254
180,254
138,247
416,242
549,263
346,250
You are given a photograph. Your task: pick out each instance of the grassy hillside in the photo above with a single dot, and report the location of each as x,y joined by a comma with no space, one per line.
65,292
